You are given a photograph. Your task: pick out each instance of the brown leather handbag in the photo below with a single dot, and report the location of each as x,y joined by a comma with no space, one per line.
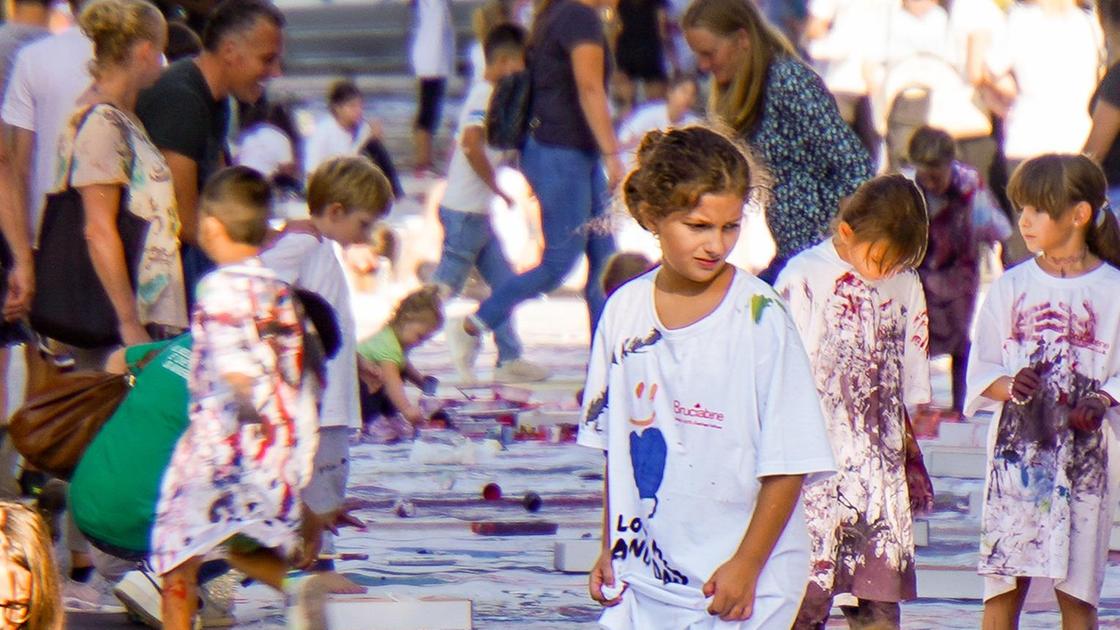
65,412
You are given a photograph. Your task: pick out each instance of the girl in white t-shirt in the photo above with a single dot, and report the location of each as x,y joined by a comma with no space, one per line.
862,314
700,392
1045,361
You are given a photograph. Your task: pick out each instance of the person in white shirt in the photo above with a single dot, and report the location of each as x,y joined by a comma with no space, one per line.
469,241
265,142
837,40
858,304
701,394
1045,362
433,60
345,196
1047,65
1044,71
674,111
48,77
346,131
974,26
900,44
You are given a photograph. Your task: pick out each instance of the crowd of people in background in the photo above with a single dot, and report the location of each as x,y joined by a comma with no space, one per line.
849,124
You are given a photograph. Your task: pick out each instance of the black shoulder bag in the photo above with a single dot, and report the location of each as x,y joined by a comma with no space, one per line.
70,303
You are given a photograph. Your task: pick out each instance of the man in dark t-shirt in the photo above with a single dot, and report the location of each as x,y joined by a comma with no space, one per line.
186,112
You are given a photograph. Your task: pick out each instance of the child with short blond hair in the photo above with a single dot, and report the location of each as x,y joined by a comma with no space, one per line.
346,196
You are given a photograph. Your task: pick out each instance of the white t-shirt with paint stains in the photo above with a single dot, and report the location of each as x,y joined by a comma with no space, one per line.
1050,490
691,419
868,344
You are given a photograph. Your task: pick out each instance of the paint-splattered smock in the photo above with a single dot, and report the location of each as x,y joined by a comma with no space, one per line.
691,419
1048,503
235,470
868,344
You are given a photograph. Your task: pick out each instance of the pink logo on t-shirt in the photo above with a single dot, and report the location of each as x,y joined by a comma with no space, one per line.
697,415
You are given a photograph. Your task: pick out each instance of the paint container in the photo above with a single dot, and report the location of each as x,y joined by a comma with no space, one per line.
492,492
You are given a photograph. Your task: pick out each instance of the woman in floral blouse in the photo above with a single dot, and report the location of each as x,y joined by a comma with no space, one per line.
104,153
783,109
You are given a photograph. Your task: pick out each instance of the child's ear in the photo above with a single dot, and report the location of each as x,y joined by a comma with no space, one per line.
335,212
1082,213
845,231
208,228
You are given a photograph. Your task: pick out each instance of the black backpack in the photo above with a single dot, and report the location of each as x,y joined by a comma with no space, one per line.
507,117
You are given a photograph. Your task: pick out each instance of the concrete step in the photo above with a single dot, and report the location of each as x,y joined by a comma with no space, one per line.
961,462
969,434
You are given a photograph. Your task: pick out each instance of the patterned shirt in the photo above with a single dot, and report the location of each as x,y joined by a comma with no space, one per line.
112,148
814,157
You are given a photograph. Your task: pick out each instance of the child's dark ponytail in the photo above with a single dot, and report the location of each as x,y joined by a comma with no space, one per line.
1103,238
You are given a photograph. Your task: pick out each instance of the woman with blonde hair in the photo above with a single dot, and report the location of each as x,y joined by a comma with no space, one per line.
783,109
106,155
29,596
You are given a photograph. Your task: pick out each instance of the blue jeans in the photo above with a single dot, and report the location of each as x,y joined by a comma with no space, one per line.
469,241
572,191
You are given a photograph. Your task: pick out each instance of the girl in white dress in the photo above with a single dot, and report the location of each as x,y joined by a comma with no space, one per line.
861,311
1044,359
700,392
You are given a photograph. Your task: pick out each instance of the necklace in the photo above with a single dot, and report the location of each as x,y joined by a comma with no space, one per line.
1062,263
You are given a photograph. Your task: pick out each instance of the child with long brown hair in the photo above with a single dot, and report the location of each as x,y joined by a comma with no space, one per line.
696,390
1045,361
859,306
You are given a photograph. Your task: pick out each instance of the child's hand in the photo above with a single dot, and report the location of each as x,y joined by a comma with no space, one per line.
602,575
1025,384
919,484
1088,414
733,586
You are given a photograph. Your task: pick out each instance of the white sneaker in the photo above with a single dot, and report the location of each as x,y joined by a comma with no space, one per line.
142,597
140,593
520,371
464,348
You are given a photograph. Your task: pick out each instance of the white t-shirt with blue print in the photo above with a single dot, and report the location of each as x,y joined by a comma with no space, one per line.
691,419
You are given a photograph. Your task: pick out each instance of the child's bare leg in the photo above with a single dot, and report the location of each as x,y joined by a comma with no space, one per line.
266,566
1076,614
873,615
263,565
815,608
1002,611
180,595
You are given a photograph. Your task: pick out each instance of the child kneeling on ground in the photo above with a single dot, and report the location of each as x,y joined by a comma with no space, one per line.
415,321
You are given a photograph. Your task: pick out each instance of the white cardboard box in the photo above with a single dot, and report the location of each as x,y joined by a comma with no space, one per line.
936,582
576,556
372,612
